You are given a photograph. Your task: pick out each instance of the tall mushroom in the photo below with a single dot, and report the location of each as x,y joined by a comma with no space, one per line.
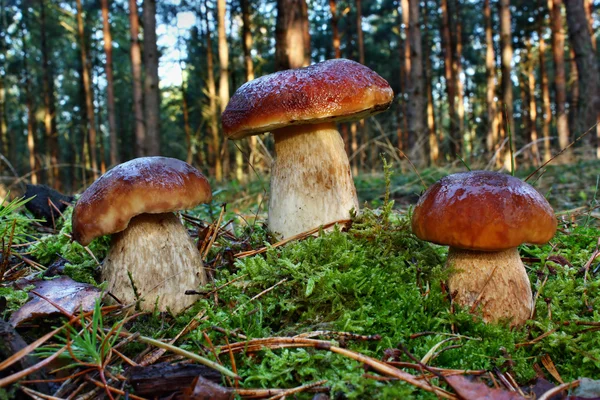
483,216
311,182
151,257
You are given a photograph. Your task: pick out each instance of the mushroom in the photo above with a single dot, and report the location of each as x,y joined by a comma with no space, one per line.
311,182
483,216
151,257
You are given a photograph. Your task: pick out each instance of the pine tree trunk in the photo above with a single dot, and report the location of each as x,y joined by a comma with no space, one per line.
587,65
490,72
215,151
249,71
532,108
457,72
589,10
291,33
151,89
89,96
4,142
573,95
508,123
49,104
560,86
546,111
434,148
455,146
363,132
29,104
337,52
110,92
416,94
136,72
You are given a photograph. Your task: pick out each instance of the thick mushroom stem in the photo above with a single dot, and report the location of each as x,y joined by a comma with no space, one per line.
311,182
493,282
155,255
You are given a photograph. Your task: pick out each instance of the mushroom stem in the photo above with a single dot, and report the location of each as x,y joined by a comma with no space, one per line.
311,182
493,282
156,252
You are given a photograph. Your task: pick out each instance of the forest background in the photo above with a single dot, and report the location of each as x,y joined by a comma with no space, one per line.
80,88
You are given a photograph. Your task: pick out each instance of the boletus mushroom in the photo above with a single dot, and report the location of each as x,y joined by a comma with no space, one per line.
311,181
484,216
151,257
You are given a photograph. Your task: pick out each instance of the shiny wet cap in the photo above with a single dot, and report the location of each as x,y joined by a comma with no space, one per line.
143,185
330,91
483,210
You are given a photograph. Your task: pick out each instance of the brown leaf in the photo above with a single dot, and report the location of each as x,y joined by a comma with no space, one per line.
203,389
67,294
475,390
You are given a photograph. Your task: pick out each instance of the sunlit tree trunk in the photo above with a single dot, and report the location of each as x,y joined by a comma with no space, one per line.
29,104
560,86
362,129
416,94
292,49
434,150
573,94
546,110
490,72
508,123
89,96
136,72
151,89
587,65
532,108
337,52
110,92
49,103
212,103
457,72
455,148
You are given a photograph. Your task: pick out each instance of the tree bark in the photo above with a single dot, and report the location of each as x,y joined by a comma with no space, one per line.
490,72
136,72
573,94
292,49
415,91
457,71
29,104
360,44
337,52
151,89
110,93
546,111
455,146
212,103
89,96
434,148
49,104
247,41
587,66
4,142
508,123
532,108
560,86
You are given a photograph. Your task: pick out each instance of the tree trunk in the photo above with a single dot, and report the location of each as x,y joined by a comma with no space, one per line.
247,41
151,89
589,9
292,49
560,87
337,52
490,72
89,96
587,65
455,146
416,95
434,149
212,102
508,123
4,142
110,93
457,72
546,111
29,104
532,109
49,104
136,72
573,95
364,135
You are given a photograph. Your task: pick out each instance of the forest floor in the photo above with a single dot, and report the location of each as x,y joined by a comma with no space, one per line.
359,312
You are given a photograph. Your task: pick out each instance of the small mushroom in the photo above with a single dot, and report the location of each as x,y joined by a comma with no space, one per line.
311,182
151,257
483,216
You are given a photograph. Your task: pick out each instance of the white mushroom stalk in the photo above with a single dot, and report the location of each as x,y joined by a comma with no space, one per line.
150,261
311,181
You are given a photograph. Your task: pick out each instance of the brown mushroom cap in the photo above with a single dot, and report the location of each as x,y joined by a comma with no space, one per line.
143,185
483,210
329,91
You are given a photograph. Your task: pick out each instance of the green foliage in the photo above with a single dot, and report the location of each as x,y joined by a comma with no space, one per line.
13,223
14,299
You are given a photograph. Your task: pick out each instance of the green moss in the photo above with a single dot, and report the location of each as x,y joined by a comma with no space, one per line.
14,299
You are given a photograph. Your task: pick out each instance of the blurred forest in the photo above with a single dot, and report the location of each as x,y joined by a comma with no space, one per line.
87,84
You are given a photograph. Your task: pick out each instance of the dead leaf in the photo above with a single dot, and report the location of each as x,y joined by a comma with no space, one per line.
203,389
476,390
67,294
